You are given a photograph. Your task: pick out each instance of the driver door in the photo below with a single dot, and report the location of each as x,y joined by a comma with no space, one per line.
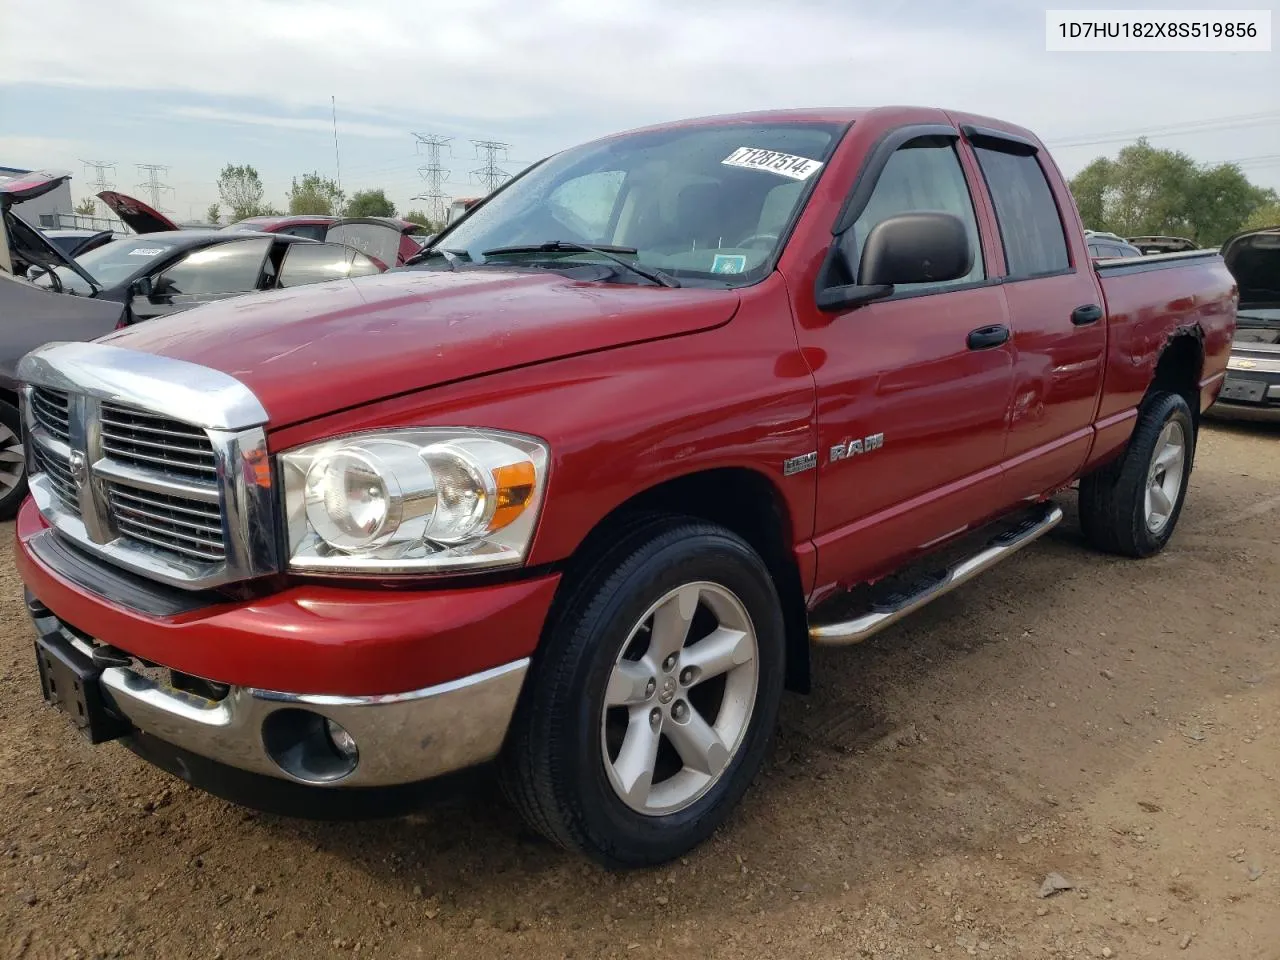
209,273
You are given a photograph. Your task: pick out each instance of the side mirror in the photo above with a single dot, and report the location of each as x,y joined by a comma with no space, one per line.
908,248
143,287
916,248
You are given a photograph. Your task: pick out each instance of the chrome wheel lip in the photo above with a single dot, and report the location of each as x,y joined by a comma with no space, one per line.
1165,477
673,716
13,464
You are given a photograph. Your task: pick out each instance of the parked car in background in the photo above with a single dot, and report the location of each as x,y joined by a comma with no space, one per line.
1108,246
459,207
311,227
1253,372
30,316
1151,245
577,491
156,274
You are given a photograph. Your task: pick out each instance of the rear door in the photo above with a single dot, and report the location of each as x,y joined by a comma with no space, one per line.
1056,309
913,390
203,275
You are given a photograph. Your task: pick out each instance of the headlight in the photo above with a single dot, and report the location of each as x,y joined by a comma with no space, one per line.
413,501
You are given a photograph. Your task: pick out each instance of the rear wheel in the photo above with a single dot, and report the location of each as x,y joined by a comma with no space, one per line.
1132,505
13,463
653,700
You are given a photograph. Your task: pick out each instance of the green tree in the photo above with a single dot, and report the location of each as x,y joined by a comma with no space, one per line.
314,194
370,203
86,207
424,219
1146,190
213,214
241,191
1268,216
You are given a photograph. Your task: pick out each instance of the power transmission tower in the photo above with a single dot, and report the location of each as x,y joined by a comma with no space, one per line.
490,174
100,182
433,174
153,184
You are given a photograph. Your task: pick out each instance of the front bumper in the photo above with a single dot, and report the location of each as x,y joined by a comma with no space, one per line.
424,681
400,738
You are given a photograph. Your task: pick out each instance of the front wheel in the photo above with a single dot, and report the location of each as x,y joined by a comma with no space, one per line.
13,463
652,702
1132,505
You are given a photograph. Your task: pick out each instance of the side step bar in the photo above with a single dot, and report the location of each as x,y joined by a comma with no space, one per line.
900,605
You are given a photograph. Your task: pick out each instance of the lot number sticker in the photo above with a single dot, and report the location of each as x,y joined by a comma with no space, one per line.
752,158
146,251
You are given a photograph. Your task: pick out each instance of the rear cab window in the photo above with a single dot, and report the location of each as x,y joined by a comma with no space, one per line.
1031,229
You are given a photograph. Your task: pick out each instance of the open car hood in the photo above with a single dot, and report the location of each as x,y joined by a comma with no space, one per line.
139,217
28,186
1253,257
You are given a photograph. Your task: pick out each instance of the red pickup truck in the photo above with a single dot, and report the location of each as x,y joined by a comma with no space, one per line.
577,491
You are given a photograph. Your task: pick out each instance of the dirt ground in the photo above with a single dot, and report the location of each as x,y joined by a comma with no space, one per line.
1115,723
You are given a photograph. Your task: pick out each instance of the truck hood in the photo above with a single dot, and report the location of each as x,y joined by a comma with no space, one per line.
318,349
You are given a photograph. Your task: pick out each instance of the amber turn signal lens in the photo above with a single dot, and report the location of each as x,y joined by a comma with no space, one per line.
514,483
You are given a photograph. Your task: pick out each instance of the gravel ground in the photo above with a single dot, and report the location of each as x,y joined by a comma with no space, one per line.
1111,722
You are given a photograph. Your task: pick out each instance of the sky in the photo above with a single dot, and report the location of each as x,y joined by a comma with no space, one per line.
196,85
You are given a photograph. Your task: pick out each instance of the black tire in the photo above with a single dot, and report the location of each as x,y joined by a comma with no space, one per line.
12,496
553,766
1113,514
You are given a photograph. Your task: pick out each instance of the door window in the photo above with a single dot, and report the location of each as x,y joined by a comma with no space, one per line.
923,175
313,262
219,269
1030,225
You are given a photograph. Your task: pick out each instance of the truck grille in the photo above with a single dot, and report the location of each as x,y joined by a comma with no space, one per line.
192,528
151,442
50,410
153,464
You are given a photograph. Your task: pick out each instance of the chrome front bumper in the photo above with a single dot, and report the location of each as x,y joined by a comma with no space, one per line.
401,738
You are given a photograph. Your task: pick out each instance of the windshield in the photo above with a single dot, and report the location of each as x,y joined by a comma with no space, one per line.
112,263
704,203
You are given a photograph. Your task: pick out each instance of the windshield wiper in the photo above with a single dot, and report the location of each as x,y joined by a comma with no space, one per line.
451,258
608,252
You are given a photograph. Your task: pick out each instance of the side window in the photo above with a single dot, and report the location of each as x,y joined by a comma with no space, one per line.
222,268
586,203
1030,225
922,176
1096,251
312,262
312,231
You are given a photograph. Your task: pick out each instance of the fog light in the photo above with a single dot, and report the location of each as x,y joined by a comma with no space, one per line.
342,741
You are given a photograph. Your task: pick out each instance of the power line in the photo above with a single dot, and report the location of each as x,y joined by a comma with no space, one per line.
490,174
1187,128
433,174
153,184
100,168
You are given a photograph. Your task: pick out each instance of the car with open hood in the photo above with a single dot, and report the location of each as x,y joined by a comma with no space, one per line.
31,315
1252,387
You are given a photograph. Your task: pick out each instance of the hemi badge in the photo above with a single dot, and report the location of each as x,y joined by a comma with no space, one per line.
800,464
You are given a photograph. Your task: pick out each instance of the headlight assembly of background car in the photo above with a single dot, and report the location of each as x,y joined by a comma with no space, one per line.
427,500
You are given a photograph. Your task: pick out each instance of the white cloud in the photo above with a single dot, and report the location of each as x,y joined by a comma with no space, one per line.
310,124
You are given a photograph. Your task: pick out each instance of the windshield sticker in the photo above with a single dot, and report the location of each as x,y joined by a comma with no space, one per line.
728,263
751,158
146,251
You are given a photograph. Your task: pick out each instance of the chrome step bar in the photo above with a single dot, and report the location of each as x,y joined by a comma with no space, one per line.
884,615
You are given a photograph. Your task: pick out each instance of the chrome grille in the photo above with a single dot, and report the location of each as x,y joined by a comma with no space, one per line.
156,465
152,442
192,528
50,410
59,474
